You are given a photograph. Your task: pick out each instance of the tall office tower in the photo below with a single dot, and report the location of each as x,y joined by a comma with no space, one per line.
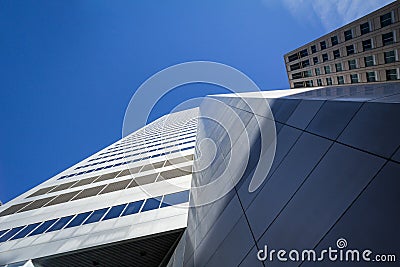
333,175
124,206
363,51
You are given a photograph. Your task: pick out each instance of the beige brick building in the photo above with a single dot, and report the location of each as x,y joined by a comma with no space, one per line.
365,50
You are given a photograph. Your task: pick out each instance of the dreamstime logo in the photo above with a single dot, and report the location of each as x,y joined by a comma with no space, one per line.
241,136
341,243
340,254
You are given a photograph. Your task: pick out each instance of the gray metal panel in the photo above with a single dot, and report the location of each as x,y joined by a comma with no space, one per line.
227,254
370,221
286,138
374,128
282,185
282,109
323,198
214,228
332,118
251,259
388,99
304,113
396,155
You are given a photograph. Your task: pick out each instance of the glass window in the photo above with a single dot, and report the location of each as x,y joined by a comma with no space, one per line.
3,231
315,60
25,231
319,82
43,227
305,63
308,84
132,208
324,57
297,75
327,69
386,19
334,40
367,45
114,212
352,64
336,54
369,61
295,66
293,57
313,48
348,35
338,67
354,78
151,204
78,220
364,28
329,81
307,73
387,38
390,57
298,85
323,45
60,223
340,80
350,49
391,75
371,76
179,197
317,71
303,53
10,233
96,216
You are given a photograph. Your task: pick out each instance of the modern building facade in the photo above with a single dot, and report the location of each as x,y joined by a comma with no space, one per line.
146,200
334,175
131,196
363,51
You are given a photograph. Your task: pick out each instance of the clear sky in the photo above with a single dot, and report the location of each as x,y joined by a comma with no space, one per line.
69,68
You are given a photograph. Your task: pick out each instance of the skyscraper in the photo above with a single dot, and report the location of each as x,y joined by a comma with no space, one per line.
334,175
131,196
363,51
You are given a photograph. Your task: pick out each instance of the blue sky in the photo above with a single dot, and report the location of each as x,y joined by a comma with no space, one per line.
69,68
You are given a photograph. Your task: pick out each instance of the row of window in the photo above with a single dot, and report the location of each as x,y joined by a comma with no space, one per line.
124,163
385,20
371,76
150,137
134,154
387,39
389,57
158,143
150,142
154,135
94,216
97,190
112,175
164,125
